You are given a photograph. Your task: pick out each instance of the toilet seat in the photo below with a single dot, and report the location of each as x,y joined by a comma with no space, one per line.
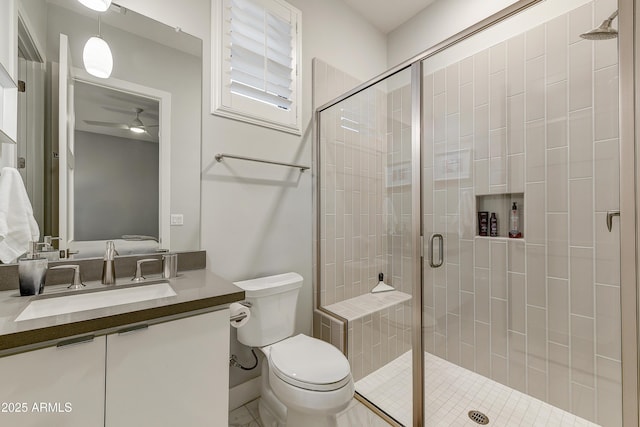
309,363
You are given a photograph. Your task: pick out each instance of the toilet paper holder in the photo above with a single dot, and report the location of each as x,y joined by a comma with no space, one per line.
241,316
237,317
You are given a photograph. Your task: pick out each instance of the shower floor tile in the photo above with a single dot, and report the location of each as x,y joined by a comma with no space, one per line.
452,391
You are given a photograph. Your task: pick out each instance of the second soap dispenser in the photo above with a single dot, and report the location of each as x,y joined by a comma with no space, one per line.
109,264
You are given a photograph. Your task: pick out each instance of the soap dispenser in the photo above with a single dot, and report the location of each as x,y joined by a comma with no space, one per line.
109,264
32,271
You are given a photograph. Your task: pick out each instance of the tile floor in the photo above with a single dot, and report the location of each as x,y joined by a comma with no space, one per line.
453,391
356,415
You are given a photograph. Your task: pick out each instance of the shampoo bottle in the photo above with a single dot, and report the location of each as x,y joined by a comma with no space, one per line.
32,271
493,228
514,222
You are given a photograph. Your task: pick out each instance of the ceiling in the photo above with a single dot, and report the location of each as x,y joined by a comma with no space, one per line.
387,15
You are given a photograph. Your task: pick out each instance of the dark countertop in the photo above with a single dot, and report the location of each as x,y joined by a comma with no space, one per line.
196,290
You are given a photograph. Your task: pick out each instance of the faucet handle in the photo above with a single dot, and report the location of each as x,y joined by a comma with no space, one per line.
76,280
139,277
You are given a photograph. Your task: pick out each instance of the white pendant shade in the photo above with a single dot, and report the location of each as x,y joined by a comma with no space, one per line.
99,5
97,58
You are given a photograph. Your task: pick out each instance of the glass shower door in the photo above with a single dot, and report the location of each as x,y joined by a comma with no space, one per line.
522,321
367,238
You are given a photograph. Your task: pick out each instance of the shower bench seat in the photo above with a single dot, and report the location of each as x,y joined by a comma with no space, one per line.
378,328
363,305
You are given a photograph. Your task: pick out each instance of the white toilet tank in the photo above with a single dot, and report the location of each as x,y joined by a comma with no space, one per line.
273,308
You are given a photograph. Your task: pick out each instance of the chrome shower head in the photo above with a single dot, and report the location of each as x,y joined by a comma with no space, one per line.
604,31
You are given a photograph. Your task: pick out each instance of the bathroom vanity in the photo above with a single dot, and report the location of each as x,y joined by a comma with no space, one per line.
161,362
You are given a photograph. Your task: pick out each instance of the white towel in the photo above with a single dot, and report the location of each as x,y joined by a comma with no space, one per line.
17,225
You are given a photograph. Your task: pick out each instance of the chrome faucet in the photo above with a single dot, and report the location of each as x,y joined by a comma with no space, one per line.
109,264
76,280
139,277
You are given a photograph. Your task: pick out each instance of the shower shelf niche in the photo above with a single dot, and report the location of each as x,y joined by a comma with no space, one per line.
501,205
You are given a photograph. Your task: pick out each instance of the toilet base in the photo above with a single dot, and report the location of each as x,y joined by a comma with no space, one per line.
297,419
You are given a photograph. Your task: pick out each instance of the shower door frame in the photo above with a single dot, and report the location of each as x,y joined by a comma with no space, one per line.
629,97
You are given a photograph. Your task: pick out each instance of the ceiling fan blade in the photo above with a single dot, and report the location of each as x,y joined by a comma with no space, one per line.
151,126
107,124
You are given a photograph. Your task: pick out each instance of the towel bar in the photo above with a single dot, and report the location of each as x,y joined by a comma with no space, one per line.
221,156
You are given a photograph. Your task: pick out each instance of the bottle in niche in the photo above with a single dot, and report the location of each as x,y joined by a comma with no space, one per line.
514,222
493,228
483,223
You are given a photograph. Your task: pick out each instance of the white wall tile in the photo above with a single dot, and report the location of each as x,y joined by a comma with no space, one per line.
557,114
535,151
482,295
580,75
558,245
557,175
559,376
606,103
582,357
581,212
517,361
581,270
608,327
581,144
607,176
580,22
481,132
536,339
498,275
609,393
481,78
498,100
535,42
535,88
558,311
536,276
535,231
453,87
515,65
515,124
466,109
517,303
556,49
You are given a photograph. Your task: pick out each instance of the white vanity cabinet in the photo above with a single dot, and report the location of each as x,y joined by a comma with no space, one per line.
54,386
170,374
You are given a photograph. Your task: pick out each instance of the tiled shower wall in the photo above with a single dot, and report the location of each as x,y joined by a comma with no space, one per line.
537,114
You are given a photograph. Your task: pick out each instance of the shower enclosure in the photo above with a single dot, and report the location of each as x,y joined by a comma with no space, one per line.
519,322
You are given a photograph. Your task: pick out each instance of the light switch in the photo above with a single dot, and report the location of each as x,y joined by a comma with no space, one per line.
177,219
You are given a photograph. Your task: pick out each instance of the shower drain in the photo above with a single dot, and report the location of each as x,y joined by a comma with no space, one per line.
479,417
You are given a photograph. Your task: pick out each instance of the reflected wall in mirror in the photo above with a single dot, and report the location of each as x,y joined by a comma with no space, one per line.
156,80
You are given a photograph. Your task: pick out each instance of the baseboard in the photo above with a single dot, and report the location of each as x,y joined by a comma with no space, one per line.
244,393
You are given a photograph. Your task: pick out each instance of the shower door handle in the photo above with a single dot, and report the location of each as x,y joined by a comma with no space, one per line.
610,215
432,262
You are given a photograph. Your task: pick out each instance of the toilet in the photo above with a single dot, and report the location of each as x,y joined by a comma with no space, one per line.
305,381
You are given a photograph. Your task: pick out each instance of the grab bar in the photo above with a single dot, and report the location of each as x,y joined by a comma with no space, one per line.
221,156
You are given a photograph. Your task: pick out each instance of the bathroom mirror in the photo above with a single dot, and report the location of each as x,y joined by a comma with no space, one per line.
103,181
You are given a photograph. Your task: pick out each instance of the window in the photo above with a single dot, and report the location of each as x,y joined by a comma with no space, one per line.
256,62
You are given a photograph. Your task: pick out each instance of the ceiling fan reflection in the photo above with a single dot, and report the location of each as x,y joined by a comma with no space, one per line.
136,125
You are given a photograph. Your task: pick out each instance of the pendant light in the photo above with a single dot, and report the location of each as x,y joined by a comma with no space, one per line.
98,5
97,57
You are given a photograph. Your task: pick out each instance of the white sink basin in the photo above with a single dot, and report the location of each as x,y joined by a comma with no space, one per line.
89,301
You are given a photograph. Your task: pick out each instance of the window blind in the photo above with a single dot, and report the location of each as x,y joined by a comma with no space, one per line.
261,60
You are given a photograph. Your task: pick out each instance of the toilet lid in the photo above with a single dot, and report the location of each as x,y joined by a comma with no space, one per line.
309,363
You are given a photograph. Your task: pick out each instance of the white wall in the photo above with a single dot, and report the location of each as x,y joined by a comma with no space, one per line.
257,219
437,22
124,173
